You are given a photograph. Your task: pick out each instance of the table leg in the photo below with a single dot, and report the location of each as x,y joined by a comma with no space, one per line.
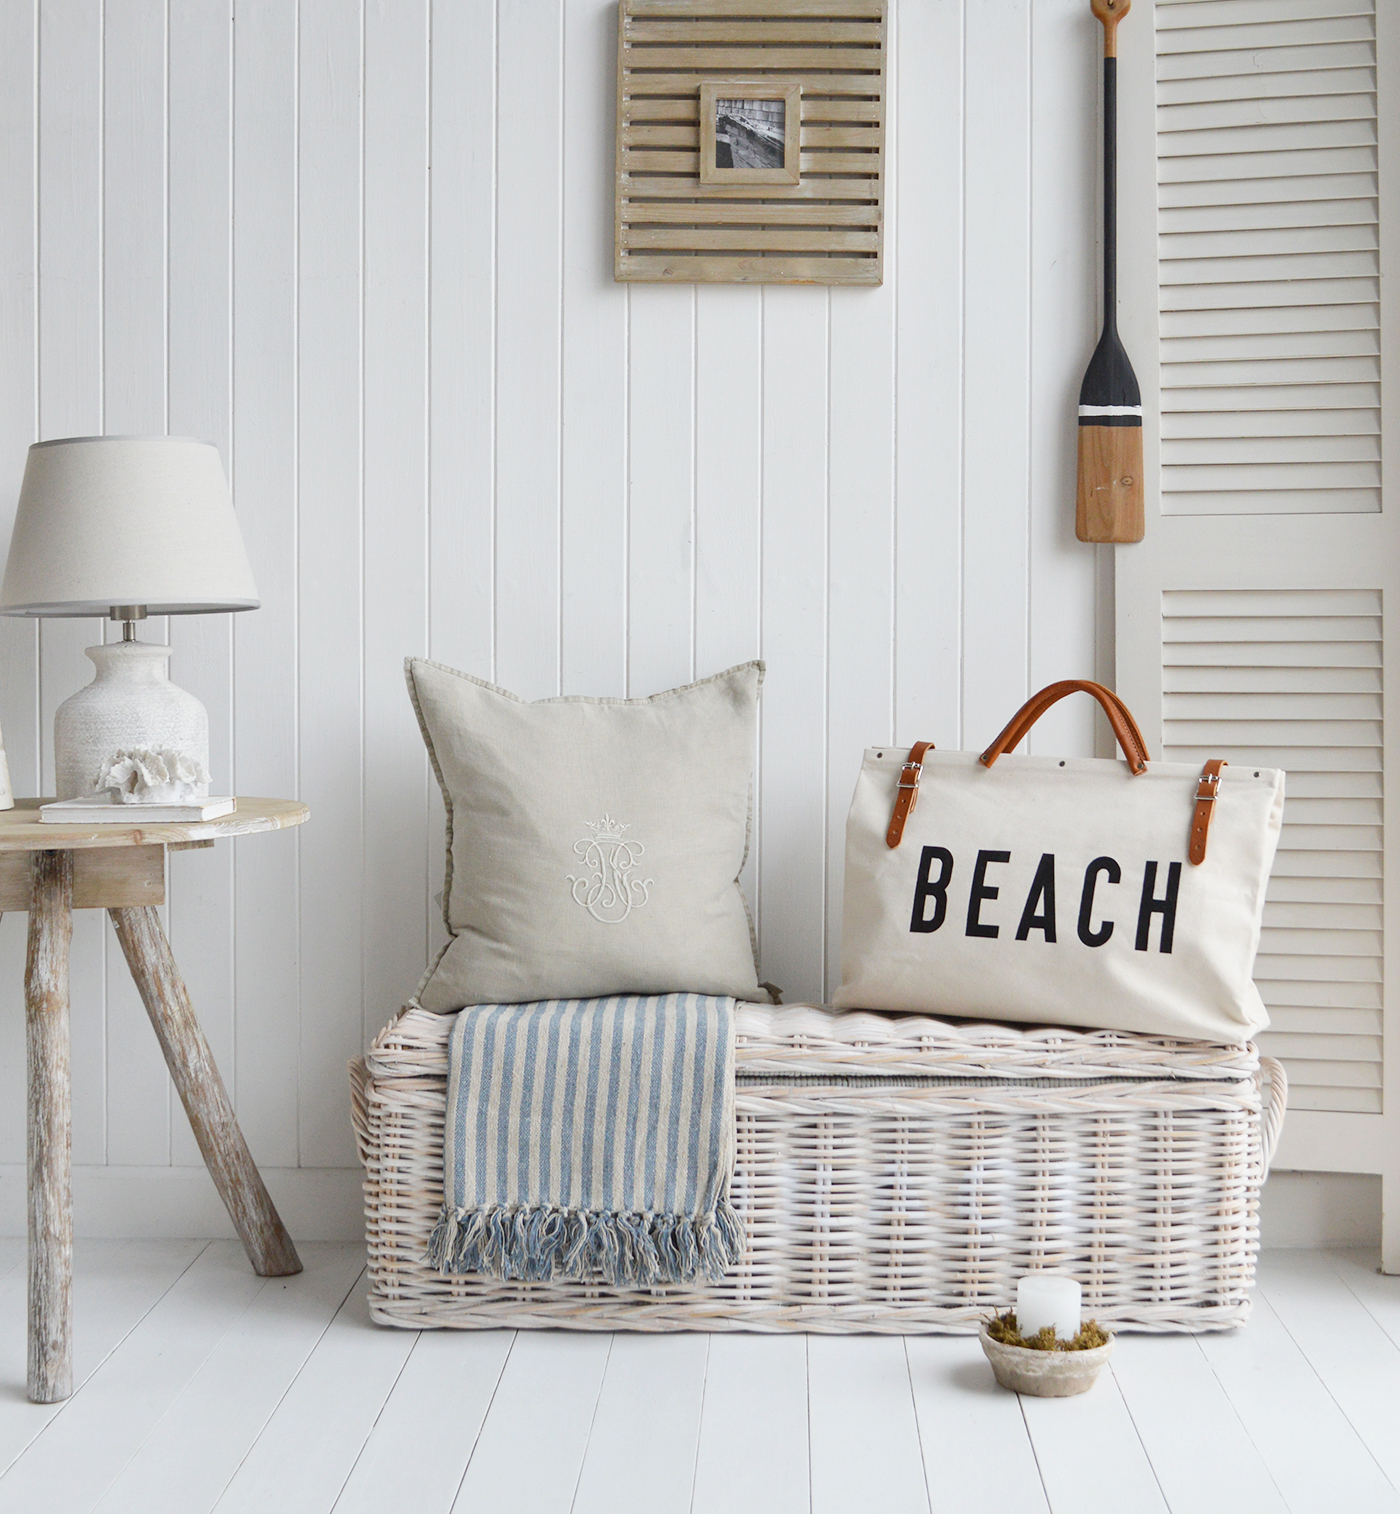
202,1091
50,1138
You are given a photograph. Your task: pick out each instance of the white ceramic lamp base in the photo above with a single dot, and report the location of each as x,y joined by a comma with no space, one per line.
130,704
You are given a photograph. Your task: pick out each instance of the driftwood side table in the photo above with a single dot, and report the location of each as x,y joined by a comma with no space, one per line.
51,870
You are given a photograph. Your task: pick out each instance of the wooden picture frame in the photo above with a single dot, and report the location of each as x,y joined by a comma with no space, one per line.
674,224
750,129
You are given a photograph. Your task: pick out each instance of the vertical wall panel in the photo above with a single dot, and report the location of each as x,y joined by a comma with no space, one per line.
1064,158
18,403
792,784
927,233
860,647
330,600
661,487
462,365
394,919
593,525
133,403
996,365
462,347
69,298
265,640
529,150
728,490
366,248
200,403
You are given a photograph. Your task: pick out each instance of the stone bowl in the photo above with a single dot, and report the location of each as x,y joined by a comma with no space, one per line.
1044,1374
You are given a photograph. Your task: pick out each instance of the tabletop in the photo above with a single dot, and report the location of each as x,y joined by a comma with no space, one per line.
21,830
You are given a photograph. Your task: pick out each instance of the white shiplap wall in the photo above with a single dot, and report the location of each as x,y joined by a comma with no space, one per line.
366,247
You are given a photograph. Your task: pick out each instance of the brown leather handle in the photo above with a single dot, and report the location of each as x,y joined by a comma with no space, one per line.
1037,705
1124,726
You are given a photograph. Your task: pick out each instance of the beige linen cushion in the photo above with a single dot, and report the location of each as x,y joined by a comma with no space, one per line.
593,845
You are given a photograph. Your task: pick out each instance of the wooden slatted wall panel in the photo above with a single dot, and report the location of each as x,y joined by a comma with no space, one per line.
1268,247
1292,679
827,229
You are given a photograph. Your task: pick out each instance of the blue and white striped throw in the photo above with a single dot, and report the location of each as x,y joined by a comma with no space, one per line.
591,1137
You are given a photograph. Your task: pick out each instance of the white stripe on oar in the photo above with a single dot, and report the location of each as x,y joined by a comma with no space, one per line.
1110,410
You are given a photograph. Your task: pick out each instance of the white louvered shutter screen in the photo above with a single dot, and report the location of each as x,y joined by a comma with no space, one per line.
1253,620
1292,679
1269,256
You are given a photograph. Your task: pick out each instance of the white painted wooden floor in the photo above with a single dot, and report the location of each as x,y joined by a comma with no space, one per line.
204,1387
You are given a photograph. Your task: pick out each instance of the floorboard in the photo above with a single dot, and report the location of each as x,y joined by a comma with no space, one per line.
1090,1458
977,1451
1319,1463
1357,1361
865,1435
115,1285
752,1457
68,1468
427,1431
305,1453
1379,1295
641,1454
1202,1455
186,1462
531,1448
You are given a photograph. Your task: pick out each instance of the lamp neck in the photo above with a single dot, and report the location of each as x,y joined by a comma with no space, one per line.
128,615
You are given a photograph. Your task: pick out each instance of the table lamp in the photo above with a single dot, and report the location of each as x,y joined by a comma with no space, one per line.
125,527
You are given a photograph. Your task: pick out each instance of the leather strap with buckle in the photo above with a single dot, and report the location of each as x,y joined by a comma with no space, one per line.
1207,792
908,794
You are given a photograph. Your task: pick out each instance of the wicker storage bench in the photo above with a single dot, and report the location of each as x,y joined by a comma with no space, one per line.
894,1174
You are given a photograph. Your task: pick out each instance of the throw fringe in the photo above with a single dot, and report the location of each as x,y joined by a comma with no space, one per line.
626,1250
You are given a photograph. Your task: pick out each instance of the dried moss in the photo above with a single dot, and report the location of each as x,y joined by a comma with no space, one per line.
1002,1327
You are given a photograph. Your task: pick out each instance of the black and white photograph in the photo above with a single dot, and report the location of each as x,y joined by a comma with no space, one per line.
750,133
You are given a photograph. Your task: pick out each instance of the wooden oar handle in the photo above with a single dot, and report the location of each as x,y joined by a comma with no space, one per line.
1110,12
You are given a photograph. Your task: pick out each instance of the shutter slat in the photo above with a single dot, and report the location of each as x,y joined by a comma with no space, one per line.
1277,189
1243,427
1288,1018
1344,1100
1330,1048
1216,63
1347,1000
1271,346
1346,891
1254,321
1292,914
1203,705
1236,680
1185,452
1275,110
1241,87
1174,14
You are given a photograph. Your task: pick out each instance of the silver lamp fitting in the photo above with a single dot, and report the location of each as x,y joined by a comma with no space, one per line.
128,615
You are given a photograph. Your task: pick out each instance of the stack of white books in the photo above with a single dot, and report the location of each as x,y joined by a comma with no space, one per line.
106,809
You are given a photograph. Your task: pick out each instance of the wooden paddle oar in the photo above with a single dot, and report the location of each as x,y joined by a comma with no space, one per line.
1108,505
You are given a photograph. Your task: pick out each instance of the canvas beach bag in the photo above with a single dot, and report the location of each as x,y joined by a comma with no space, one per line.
1123,895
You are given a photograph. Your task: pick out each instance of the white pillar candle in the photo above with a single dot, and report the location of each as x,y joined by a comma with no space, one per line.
1048,1298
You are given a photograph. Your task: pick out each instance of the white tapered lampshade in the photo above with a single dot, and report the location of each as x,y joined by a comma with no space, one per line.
125,520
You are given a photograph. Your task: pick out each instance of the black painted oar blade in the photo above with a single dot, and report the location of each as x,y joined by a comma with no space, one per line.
1109,499
1109,381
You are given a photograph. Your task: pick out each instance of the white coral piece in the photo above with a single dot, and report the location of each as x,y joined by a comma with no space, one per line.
144,776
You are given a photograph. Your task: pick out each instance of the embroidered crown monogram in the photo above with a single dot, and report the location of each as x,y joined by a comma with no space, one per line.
610,889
